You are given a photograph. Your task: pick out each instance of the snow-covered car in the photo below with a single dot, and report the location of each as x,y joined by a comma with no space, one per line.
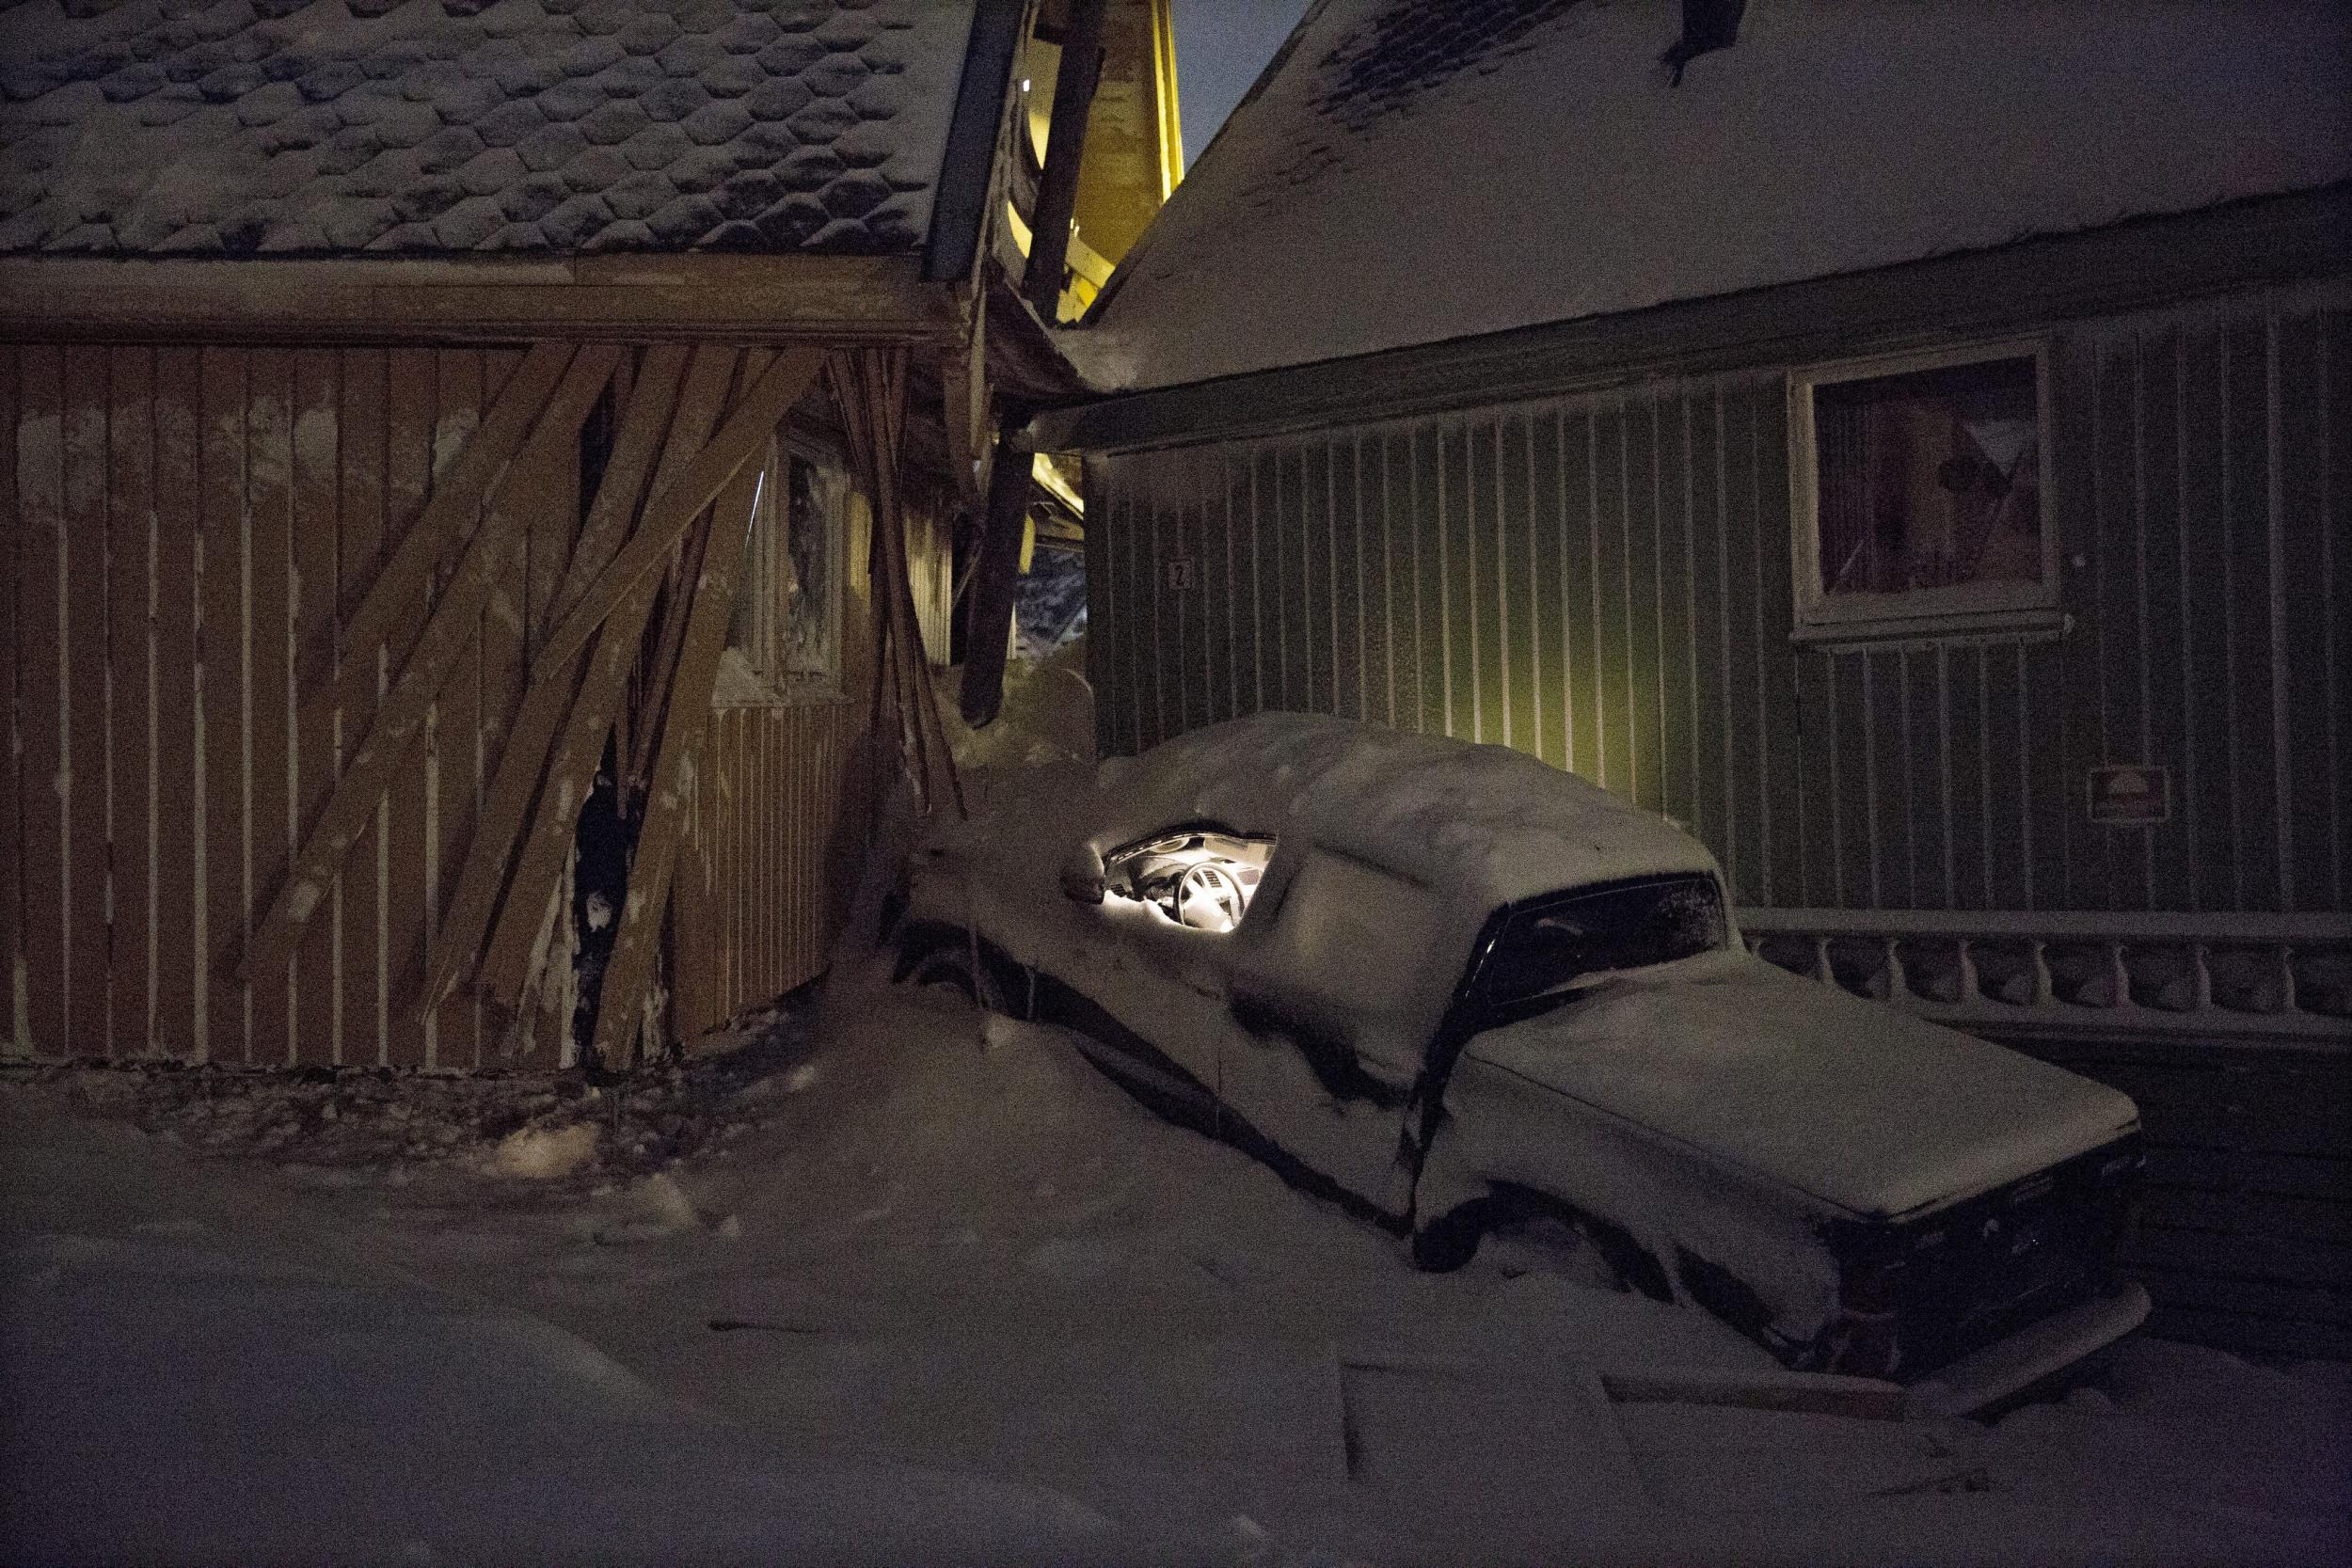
1453,988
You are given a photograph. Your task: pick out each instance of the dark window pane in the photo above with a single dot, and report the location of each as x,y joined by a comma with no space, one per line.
807,635
1928,479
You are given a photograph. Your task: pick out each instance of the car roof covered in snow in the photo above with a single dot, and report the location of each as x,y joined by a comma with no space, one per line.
290,127
1411,171
1482,823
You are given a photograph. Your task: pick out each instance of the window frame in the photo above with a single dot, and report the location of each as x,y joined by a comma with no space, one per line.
757,676
1957,611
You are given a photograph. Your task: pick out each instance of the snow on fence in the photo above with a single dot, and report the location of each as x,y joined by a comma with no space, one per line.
2218,978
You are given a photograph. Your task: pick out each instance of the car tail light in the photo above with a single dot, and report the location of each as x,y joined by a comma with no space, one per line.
1862,1338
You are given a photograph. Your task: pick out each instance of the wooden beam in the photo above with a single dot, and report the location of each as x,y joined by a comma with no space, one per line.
964,408
522,760
629,971
969,166
656,671
1065,149
742,299
676,506
455,618
636,759
989,624
507,964
869,386
450,510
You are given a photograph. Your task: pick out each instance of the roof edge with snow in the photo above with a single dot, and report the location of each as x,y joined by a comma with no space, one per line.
1391,184
1997,289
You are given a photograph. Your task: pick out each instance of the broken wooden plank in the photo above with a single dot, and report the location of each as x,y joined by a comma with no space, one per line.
676,506
657,387
871,386
636,757
507,965
635,445
455,500
352,805
988,616
1865,1399
629,971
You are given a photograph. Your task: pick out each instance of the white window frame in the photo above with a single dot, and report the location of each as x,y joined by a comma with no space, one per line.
1958,611
755,675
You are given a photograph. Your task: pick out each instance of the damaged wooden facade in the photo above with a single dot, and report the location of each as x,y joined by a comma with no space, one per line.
534,417
343,639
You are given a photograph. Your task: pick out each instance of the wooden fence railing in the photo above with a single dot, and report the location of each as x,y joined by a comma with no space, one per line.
2263,979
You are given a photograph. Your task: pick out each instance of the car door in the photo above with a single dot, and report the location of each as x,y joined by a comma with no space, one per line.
1340,978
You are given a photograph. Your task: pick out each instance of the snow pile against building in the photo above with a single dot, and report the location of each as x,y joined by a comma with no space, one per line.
977,1305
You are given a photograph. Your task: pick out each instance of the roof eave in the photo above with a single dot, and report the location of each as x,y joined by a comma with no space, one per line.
2007,288
969,166
636,297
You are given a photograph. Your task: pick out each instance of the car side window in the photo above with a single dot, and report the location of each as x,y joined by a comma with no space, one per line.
1200,875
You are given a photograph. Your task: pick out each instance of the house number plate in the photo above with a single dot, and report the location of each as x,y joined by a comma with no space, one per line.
2131,795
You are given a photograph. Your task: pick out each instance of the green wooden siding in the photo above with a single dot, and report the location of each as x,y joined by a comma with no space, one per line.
1604,581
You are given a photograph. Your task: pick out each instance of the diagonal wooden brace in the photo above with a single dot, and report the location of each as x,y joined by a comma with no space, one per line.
629,972
521,760
675,506
455,619
508,961
456,499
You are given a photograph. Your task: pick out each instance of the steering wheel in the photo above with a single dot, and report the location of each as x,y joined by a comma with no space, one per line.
1208,899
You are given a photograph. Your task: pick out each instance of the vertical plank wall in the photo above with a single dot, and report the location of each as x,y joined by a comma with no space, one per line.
780,814
185,524
184,527
763,882
1604,581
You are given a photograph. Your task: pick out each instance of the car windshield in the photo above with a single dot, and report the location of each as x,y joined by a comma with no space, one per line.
1548,943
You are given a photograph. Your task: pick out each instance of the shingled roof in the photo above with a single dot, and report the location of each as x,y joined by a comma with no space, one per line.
212,127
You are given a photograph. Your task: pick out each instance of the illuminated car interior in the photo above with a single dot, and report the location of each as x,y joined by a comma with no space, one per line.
1202,876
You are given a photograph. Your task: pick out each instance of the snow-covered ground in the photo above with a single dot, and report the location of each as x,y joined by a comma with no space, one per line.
910,1288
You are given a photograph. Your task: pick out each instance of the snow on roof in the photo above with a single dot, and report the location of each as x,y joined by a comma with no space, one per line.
1409,172
1485,821
192,127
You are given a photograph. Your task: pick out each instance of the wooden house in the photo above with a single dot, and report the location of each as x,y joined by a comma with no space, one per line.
479,477
1906,445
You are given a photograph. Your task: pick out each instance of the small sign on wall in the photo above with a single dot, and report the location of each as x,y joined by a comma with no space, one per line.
1179,573
2131,795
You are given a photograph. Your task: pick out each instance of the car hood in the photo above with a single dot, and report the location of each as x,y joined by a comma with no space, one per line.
1850,1101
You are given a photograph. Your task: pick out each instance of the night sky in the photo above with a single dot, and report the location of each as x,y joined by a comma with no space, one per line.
1221,45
